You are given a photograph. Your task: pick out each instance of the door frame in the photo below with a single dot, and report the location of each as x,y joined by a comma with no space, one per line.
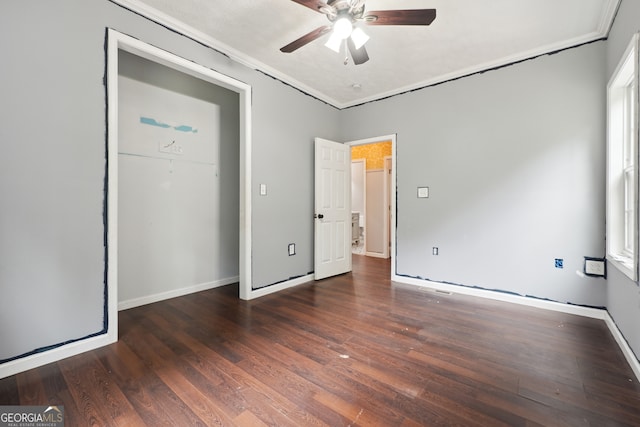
392,195
388,169
118,41
363,214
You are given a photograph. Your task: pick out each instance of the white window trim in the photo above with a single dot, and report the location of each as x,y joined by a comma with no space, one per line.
623,256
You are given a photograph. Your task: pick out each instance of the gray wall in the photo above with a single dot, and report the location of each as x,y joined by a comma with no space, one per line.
514,159
51,174
283,160
53,166
623,296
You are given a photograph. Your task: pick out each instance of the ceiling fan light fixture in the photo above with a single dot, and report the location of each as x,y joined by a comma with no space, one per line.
359,37
334,43
342,27
345,17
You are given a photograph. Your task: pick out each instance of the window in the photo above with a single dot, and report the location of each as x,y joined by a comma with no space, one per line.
622,157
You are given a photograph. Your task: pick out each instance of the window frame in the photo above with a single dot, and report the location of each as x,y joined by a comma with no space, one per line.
622,163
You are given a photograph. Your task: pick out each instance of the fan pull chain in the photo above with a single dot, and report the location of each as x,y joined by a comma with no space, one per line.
346,52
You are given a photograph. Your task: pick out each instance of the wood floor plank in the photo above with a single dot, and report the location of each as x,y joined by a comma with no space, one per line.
158,405
101,401
507,381
31,388
606,399
199,402
295,388
352,350
216,376
248,419
238,391
9,393
72,413
122,362
353,411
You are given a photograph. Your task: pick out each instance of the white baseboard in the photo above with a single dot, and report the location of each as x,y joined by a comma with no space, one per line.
594,313
624,345
149,299
376,255
256,293
39,359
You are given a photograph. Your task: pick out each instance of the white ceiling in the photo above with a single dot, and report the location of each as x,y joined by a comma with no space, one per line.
467,36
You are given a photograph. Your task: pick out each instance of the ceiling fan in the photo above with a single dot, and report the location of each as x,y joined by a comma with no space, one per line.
344,14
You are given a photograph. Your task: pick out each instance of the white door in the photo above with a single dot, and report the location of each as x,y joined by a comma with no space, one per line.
332,208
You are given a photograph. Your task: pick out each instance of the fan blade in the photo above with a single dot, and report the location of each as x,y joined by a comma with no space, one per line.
359,56
312,4
400,17
307,38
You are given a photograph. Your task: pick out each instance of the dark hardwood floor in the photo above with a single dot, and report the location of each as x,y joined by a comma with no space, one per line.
350,350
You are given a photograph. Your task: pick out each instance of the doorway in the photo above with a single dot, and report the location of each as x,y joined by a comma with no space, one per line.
372,196
178,179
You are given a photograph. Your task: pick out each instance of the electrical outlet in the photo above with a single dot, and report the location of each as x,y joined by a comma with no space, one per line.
434,251
595,267
292,249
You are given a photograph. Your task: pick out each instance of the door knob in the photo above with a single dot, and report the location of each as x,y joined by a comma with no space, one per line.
320,216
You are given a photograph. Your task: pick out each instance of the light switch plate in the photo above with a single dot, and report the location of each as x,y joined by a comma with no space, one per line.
263,189
423,192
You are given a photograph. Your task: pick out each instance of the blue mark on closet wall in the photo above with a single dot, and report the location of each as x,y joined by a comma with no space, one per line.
185,128
153,122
